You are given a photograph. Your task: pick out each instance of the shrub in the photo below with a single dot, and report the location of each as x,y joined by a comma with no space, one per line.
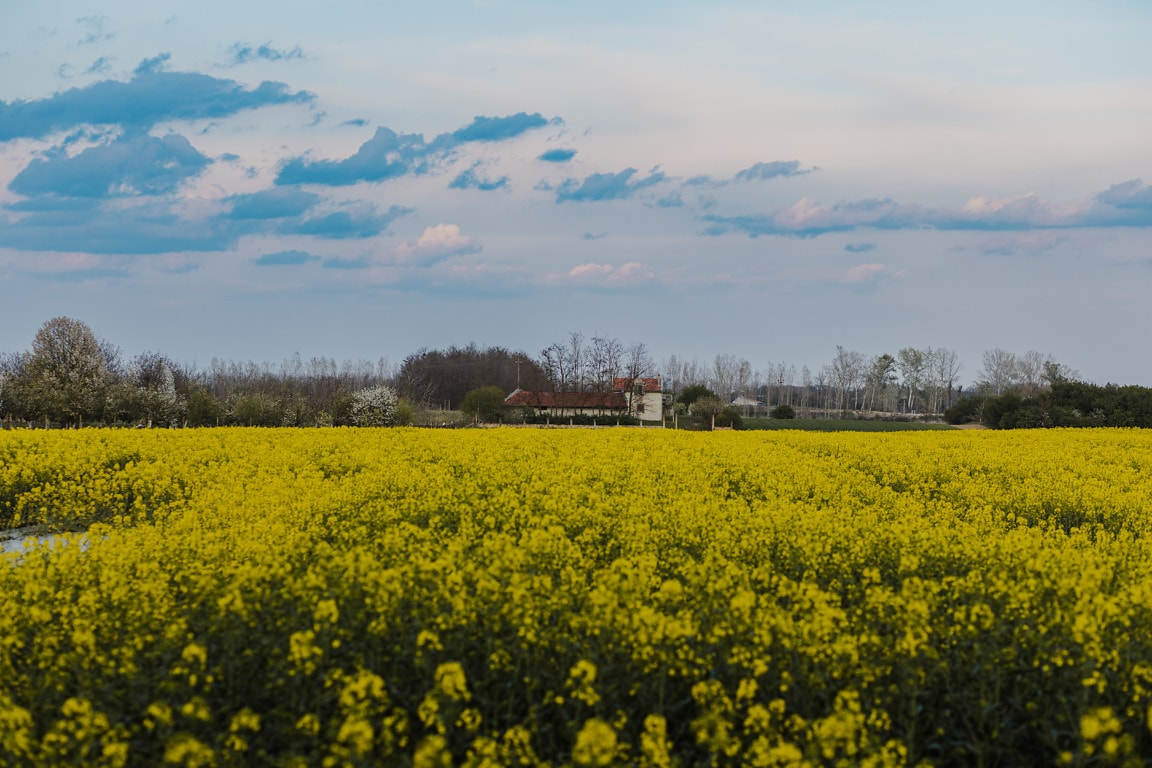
783,412
483,404
730,417
964,411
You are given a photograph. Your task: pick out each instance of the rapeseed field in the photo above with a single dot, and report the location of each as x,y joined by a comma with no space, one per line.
577,597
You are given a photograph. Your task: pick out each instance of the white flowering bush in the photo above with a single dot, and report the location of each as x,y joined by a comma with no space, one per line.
374,407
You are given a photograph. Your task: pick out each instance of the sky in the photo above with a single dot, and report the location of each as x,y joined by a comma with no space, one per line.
357,180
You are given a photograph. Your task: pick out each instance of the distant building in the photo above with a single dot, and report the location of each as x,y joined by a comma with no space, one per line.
640,397
569,403
644,397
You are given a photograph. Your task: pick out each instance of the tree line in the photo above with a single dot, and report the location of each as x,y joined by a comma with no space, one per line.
71,377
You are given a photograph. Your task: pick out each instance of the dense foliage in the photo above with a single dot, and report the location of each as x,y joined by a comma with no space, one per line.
446,376
783,412
577,597
483,404
1065,404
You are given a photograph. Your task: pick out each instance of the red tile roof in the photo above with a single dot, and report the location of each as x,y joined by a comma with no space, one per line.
625,384
605,401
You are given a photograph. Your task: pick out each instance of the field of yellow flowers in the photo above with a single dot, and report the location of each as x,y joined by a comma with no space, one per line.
577,597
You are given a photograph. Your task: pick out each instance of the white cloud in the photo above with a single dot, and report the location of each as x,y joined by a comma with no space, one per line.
608,276
436,244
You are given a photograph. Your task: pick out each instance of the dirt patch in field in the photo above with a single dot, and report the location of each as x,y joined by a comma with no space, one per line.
971,426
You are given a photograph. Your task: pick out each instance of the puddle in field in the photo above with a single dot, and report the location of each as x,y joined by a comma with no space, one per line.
17,539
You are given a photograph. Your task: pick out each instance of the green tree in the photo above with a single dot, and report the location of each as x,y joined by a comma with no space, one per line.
690,394
729,416
783,412
965,411
202,408
483,404
707,407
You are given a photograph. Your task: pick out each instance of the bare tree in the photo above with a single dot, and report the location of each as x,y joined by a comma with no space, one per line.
805,389
639,361
608,357
554,361
845,373
670,371
725,373
577,360
744,379
879,377
1030,371
1000,371
912,364
946,369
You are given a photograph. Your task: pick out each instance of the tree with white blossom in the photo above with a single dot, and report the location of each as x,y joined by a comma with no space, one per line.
374,407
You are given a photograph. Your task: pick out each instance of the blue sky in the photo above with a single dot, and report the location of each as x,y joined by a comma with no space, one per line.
769,179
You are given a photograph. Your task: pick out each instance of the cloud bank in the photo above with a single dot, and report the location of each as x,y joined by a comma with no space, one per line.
389,155
149,98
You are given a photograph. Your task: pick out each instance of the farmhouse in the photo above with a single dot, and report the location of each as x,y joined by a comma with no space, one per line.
568,403
644,396
637,397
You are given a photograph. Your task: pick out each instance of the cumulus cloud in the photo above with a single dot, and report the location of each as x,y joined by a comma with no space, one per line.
436,244
756,172
488,129
389,154
1019,212
278,203
605,186
138,165
386,155
860,247
807,218
1134,194
776,169
157,63
150,97
285,259
557,155
359,222
597,275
